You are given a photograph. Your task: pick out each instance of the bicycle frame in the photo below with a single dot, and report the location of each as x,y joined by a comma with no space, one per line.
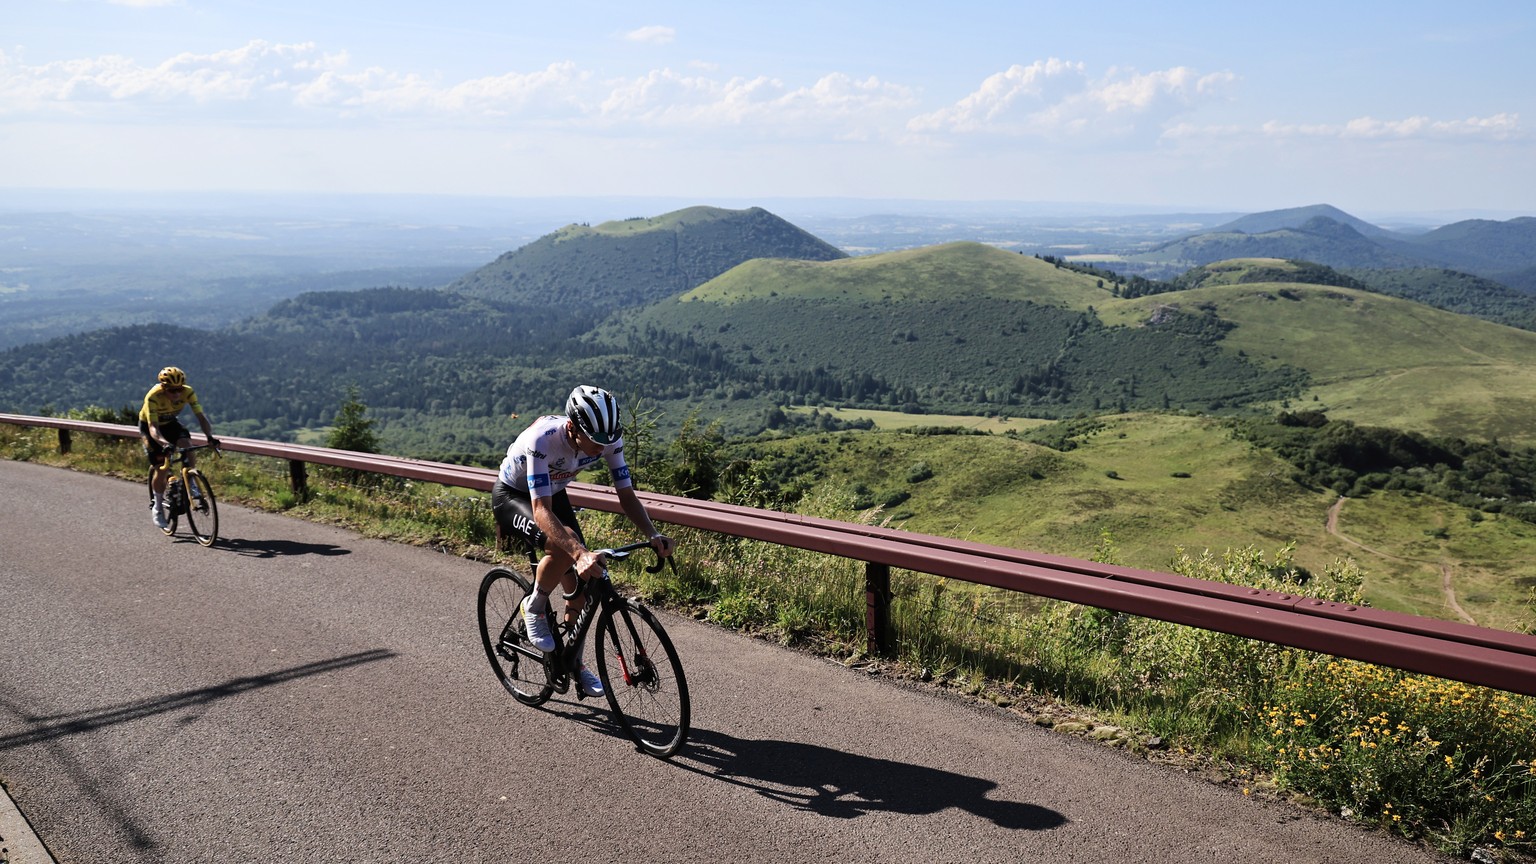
176,468
600,594
175,464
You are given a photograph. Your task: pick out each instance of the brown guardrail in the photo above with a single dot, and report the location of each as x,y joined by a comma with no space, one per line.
1447,649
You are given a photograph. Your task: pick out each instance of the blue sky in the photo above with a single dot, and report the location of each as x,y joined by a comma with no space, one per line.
1411,107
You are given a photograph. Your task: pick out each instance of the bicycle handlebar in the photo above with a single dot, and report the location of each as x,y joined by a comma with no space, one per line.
619,553
622,552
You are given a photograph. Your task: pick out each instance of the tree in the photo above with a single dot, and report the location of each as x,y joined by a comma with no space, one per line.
695,459
351,430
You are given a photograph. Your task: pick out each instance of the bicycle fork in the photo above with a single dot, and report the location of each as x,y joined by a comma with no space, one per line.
638,670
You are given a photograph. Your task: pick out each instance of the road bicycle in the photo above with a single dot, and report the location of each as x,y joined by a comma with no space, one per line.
200,508
641,674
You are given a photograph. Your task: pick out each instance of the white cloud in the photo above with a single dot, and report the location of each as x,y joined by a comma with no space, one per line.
1499,127
998,95
283,84
654,34
118,84
146,4
1056,98
663,98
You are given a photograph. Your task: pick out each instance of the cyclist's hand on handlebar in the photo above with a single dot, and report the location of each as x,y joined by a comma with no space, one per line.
213,442
589,564
662,544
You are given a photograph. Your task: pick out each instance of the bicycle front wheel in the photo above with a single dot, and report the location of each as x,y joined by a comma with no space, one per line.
202,509
520,667
643,677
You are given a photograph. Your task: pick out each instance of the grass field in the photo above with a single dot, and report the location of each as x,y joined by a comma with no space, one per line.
1154,484
1367,357
896,420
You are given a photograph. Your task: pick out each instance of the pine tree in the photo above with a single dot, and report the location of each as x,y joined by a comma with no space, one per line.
352,430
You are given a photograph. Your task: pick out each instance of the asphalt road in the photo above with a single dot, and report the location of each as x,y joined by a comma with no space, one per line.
299,693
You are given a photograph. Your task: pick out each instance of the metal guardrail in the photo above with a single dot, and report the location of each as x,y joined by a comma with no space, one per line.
1446,649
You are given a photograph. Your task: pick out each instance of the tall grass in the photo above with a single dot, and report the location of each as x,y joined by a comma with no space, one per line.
1426,758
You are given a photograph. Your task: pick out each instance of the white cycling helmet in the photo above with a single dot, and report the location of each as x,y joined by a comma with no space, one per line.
596,413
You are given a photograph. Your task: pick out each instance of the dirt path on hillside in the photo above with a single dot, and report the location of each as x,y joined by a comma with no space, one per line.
1446,586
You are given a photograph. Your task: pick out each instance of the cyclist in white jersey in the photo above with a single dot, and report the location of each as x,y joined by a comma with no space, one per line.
529,503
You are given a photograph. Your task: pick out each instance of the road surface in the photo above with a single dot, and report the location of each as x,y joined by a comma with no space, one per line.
299,693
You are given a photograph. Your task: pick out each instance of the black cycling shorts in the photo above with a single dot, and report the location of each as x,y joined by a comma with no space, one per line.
173,432
513,510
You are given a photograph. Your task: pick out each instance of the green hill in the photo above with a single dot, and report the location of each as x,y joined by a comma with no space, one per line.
1500,301
638,261
1153,482
1483,245
1371,358
949,271
959,327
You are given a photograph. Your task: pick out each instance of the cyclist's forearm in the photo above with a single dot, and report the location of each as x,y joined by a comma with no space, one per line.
635,510
557,533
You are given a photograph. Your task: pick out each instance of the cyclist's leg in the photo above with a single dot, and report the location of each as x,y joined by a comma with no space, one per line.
177,434
514,517
513,511
557,568
157,459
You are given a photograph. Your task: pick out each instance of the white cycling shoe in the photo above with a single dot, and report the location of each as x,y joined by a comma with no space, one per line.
591,685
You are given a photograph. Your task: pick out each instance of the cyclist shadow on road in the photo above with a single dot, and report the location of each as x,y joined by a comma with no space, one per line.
276,548
838,784
847,785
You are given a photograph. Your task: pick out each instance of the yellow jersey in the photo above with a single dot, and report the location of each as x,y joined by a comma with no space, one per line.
162,406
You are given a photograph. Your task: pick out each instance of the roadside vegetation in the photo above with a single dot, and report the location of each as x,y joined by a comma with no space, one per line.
1432,760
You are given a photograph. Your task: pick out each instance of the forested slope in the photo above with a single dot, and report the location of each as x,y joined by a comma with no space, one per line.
639,261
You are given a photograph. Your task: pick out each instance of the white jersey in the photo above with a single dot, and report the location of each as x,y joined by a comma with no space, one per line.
542,461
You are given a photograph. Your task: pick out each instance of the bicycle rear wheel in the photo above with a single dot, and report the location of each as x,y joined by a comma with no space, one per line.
172,510
520,667
643,677
202,509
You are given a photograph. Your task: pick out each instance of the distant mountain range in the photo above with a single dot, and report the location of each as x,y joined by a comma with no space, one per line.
1502,251
735,314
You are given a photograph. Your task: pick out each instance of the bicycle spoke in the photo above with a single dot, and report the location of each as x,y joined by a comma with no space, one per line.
202,509
520,667
643,678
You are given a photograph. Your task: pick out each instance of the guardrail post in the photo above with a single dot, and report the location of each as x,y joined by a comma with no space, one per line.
298,478
64,441
877,606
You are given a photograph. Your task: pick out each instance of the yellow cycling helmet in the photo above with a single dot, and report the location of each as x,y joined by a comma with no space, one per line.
172,376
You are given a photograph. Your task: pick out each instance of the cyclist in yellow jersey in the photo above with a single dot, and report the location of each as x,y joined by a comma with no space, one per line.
162,431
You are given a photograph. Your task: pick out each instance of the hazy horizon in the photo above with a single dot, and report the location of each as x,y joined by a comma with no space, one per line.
471,209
